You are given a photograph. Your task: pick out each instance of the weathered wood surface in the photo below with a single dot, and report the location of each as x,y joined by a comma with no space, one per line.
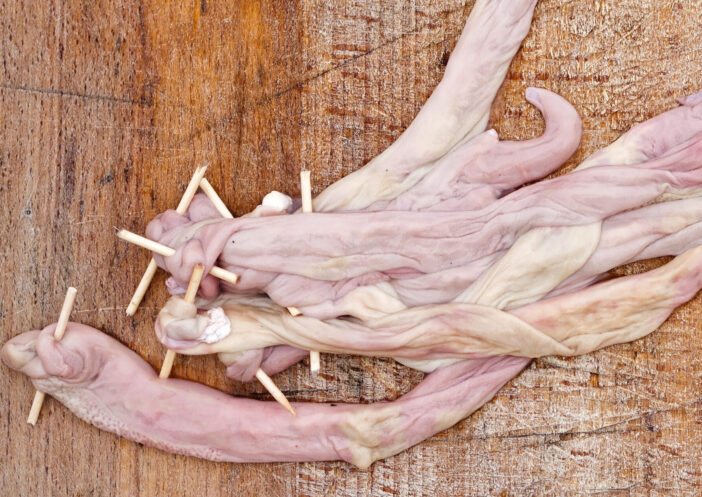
106,109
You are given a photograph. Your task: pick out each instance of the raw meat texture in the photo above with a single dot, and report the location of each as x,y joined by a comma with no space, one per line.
665,229
470,177
691,100
484,257
371,249
473,75
653,138
484,169
242,366
480,182
106,384
655,226
654,230
612,312
457,110
553,261
668,228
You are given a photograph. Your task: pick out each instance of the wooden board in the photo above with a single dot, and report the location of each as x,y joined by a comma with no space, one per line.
107,107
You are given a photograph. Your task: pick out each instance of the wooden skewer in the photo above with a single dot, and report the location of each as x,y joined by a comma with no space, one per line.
214,198
294,311
273,389
183,205
306,193
261,375
166,251
190,294
142,287
66,309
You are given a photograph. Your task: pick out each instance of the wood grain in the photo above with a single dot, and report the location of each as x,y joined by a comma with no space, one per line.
107,108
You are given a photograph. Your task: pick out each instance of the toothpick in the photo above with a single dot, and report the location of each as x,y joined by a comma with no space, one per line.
306,191
66,309
214,198
190,294
306,194
294,311
273,389
261,375
166,251
183,205
141,288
